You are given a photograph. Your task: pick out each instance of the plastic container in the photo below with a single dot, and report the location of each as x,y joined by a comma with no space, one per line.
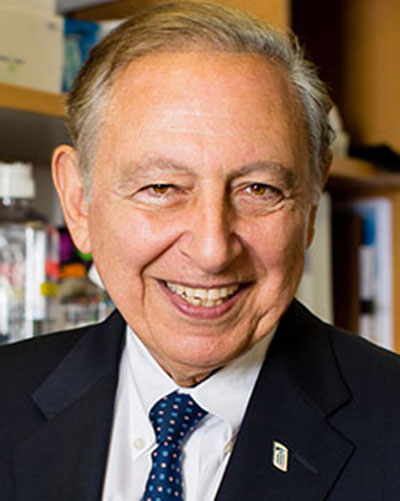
82,302
28,259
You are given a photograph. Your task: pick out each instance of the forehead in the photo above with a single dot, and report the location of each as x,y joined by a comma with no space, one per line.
210,97
196,76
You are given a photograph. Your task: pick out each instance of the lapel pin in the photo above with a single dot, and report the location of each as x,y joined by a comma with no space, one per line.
280,456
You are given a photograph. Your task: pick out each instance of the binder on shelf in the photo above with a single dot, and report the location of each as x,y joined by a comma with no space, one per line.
41,6
31,48
375,255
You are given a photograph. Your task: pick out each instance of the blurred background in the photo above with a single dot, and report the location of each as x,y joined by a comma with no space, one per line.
352,273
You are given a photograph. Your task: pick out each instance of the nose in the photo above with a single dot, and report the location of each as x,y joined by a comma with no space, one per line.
210,241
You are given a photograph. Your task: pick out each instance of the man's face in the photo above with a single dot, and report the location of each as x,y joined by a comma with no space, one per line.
200,204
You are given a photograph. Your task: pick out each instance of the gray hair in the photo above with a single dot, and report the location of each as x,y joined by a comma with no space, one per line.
195,26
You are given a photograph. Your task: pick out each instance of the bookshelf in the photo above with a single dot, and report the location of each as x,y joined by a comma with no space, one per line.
274,11
32,122
33,101
360,175
354,45
354,179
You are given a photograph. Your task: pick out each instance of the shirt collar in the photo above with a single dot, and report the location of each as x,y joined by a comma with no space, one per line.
225,394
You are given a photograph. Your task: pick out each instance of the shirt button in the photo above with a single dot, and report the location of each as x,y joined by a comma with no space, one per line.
139,443
228,447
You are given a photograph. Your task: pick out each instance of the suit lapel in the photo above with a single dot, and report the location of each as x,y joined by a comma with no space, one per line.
76,402
298,389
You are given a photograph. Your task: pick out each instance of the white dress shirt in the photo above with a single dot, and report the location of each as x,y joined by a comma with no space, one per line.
142,382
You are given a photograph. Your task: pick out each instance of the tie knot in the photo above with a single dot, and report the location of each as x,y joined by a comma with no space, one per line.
174,416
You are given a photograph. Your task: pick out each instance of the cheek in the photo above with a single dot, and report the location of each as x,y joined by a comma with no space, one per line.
281,242
126,239
282,259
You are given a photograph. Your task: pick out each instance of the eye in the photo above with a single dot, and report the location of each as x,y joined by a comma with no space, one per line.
165,195
265,192
257,189
159,189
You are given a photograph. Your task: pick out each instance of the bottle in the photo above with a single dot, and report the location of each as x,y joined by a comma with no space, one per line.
11,290
28,259
82,302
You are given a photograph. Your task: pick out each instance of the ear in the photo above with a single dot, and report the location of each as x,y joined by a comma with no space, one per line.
326,171
68,182
314,208
311,225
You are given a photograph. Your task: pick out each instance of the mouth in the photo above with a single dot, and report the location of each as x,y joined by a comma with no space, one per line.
204,297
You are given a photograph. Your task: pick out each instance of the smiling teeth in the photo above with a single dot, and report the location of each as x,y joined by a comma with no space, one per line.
203,297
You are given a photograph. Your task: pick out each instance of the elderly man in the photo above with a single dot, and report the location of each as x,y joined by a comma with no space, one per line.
201,145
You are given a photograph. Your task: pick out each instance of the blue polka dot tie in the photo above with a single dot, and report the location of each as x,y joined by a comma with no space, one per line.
173,418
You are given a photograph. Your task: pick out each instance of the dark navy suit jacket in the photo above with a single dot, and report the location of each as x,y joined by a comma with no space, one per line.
331,398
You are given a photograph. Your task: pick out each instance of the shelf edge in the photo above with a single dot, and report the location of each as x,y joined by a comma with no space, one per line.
360,171
33,101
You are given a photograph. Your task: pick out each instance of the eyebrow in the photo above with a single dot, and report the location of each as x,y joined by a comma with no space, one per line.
135,171
163,165
277,169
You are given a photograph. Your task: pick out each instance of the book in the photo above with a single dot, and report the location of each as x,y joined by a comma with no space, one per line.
375,270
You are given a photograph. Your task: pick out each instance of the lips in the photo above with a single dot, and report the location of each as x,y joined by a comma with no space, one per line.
203,297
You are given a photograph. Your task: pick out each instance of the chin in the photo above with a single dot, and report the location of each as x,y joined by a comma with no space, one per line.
209,355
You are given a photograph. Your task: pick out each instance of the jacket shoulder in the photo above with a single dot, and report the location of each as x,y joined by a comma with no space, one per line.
351,349
364,364
371,373
25,364
367,370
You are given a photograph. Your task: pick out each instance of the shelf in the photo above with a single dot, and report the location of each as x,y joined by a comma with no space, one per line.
68,6
274,11
31,124
29,100
352,172
97,10
41,115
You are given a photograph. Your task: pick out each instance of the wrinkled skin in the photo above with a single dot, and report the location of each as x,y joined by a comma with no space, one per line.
201,178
